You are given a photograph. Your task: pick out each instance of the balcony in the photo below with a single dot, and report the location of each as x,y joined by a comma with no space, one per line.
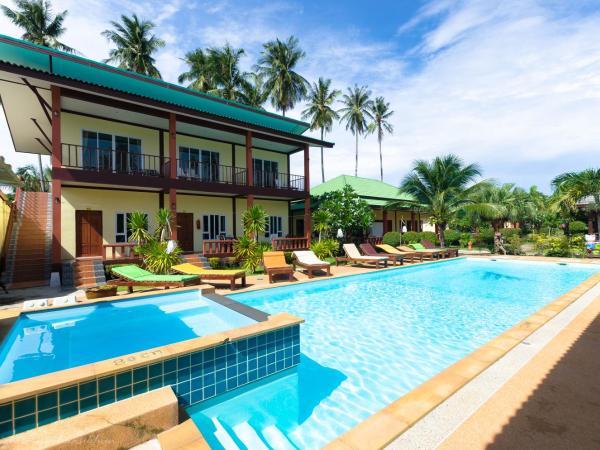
193,174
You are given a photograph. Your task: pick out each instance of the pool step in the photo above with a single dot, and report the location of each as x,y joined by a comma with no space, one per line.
243,435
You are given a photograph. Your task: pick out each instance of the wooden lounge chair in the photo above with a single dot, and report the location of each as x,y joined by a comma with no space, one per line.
412,256
132,275
368,250
212,274
354,256
450,252
426,254
310,263
275,264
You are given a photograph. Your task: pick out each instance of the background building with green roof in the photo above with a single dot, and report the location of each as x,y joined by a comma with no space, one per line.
392,209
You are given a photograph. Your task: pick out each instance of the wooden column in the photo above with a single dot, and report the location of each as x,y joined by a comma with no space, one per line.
56,161
249,168
384,216
173,207
412,221
307,215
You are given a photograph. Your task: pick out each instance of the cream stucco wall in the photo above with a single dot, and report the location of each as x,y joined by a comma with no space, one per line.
109,202
280,158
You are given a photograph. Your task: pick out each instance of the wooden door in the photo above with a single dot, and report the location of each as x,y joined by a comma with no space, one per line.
88,233
185,231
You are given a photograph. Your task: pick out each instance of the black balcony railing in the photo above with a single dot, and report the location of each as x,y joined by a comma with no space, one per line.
115,161
210,173
278,180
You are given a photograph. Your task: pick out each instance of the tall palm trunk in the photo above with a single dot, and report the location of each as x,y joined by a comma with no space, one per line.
356,157
380,160
322,162
42,181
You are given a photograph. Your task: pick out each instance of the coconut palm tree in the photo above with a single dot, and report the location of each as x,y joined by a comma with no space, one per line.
319,111
35,17
135,44
199,74
277,64
444,187
578,186
381,112
254,221
356,113
224,65
321,221
31,178
254,92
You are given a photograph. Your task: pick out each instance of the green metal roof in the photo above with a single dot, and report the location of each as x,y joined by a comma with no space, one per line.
27,55
374,192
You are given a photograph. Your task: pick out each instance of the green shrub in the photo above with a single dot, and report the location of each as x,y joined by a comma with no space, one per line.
326,248
513,244
156,258
429,236
452,237
215,263
248,253
578,227
464,239
559,245
509,232
392,238
410,237
484,238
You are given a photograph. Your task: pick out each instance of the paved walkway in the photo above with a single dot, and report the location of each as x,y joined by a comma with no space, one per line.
553,402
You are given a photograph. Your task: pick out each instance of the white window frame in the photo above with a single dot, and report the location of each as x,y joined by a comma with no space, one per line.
207,231
274,222
113,147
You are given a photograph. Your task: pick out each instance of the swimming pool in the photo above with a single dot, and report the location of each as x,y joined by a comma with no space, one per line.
368,339
47,341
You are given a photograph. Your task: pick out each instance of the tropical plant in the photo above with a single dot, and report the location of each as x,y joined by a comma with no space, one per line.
356,113
584,186
452,237
319,111
411,237
443,187
327,248
156,257
164,218
35,17
321,221
392,238
31,180
254,92
578,227
228,79
199,74
254,221
348,212
135,45
506,203
247,252
381,113
138,228
277,64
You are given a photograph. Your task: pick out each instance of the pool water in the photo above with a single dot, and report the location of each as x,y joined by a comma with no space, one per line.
44,342
368,339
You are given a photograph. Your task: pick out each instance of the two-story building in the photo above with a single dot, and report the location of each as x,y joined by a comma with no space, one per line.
121,142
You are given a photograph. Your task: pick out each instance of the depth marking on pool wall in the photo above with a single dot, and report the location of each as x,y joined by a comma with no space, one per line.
134,358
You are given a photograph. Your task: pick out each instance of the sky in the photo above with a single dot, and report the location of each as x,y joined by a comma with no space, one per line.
513,85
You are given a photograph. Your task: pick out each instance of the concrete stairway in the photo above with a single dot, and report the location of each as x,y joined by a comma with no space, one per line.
29,253
197,259
83,273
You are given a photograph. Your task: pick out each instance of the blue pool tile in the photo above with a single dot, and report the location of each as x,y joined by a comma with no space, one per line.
196,396
24,423
220,375
170,365
261,339
182,388
220,351
140,388
232,383
270,338
208,355
262,371
252,375
220,388
47,416
196,383
106,384
262,350
262,361
68,410
219,364
288,362
183,375
279,335
140,374
155,383
232,371
296,359
242,378
231,359
252,364
196,358
170,378
208,379
155,370
123,379
231,349
242,367
185,399
270,358
196,371
6,429
279,365
271,369
209,391
279,355
88,388
124,393
5,412
242,345
288,353
106,398
287,332
49,400
88,403
242,356
24,407
183,361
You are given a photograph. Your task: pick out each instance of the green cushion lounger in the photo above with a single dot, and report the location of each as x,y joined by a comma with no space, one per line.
132,275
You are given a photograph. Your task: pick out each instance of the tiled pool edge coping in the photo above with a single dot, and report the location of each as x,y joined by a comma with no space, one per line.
383,427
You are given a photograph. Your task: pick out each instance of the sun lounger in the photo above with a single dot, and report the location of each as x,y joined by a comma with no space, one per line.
275,264
132,275
440,252
412,256
429,254
450,252
309,261
368,250
354,256
212,274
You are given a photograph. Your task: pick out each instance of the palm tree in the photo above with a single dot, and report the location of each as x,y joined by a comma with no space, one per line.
443,187
319,110
321,221
135,44
228,79
31,178
578,186
254,221
277,64
254,92
35,17
199,73
381,112
356,113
